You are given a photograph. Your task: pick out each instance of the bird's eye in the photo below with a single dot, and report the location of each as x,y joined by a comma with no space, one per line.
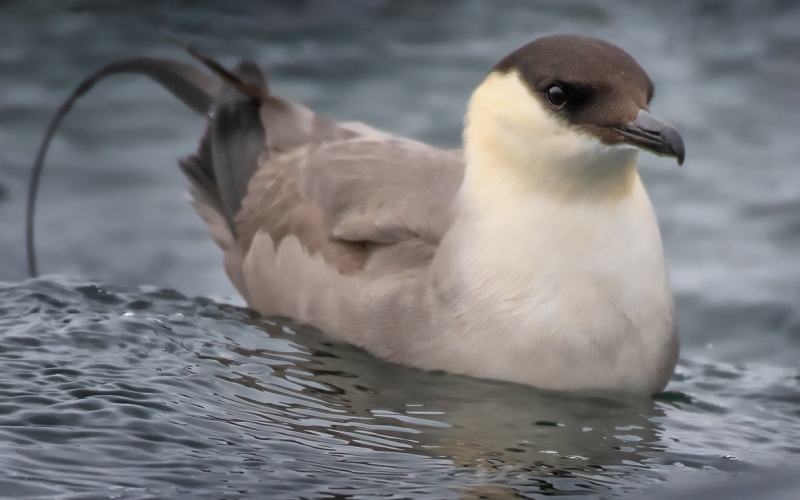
556,95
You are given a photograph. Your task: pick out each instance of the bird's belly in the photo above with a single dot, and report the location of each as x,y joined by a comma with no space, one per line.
583,340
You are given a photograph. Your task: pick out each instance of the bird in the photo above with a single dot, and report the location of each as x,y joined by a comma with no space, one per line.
530,255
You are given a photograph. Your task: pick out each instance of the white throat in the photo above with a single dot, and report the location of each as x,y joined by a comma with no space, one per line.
555,231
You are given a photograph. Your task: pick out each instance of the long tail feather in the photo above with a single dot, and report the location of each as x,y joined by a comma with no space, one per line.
195,88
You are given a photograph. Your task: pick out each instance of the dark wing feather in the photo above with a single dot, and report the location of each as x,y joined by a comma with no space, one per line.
237,139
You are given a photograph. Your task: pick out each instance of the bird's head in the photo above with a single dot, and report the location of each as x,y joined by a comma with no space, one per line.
567,109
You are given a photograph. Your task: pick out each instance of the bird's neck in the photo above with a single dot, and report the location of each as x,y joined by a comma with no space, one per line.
515,211
518,214
500,170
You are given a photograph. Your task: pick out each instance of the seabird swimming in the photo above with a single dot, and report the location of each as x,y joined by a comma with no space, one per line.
533,255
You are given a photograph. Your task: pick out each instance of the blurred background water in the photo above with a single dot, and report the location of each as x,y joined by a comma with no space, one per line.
112,385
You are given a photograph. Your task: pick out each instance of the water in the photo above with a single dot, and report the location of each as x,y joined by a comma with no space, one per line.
130,390
168,395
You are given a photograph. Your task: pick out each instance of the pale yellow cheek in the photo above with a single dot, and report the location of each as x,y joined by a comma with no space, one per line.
514,146
508,119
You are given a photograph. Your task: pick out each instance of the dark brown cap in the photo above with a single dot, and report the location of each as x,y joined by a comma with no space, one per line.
593,85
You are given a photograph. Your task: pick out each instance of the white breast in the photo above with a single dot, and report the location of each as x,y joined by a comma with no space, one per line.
561,296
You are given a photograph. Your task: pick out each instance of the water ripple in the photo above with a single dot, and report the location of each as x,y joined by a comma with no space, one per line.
168,395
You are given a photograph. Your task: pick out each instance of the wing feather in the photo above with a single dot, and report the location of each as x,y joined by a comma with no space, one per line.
383,191
344,199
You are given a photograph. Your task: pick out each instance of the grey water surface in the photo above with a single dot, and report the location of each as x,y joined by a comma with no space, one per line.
114,382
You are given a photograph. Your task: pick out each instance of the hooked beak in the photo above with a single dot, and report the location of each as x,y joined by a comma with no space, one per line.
649,133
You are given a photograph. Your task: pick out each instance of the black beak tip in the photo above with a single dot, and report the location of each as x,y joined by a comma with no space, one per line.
675,141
